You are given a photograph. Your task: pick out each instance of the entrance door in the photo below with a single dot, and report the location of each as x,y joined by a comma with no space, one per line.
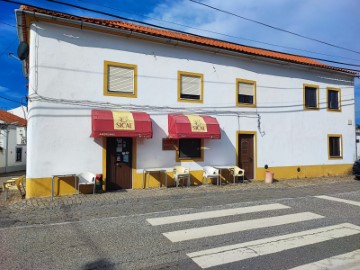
246,154
119,163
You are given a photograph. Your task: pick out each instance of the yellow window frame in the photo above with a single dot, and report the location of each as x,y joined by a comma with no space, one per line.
341,146
339,99
192,74
201,158
106,79
240,104
317,97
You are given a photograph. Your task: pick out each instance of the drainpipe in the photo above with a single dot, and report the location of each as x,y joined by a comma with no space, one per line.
7,148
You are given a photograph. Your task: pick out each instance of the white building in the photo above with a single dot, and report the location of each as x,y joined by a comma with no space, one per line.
12,143
99,89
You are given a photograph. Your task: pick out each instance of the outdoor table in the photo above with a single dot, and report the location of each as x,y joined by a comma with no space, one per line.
61,175
148,171
222,167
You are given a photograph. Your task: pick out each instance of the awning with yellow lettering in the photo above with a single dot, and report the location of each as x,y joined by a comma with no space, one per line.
193,126
120,124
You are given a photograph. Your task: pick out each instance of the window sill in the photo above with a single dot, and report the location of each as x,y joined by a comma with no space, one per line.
113,94
246,105
189,159
334,110
190,100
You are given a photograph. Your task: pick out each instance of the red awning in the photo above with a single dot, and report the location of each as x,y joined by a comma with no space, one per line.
193,126
120,124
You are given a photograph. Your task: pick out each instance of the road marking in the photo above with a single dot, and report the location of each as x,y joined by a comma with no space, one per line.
338,200
344,261
195,233
233,253
215,214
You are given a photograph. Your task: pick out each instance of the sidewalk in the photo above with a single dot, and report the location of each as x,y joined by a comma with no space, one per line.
15,202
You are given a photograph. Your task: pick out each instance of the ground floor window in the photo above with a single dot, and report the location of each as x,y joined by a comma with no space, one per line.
190,148
335,146
18,154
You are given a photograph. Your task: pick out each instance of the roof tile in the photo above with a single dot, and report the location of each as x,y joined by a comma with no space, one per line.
192,39
10,118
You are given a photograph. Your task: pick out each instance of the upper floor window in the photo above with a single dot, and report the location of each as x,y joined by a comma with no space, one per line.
335,146
190,87
311,97
120,79
334,99
246,93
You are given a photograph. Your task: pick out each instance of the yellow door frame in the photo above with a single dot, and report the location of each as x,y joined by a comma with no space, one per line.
133,169
240,132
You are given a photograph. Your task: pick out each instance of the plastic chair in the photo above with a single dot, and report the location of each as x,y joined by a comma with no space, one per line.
181,172
236,172
86,178
211,172
14,184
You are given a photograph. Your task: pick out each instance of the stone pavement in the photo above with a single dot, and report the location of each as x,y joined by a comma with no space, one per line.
21,212
16,203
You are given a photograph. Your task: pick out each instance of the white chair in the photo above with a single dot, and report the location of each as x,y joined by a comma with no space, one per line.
211,172
14,184
181,172
236,172
85,179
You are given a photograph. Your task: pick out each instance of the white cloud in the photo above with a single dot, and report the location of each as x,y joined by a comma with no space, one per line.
332,21
3,89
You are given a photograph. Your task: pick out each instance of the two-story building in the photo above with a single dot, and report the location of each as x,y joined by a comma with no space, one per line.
116,98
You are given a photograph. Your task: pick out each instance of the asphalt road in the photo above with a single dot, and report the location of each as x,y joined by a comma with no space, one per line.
278,229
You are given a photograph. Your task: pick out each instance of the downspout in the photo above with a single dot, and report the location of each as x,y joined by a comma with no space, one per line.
7,148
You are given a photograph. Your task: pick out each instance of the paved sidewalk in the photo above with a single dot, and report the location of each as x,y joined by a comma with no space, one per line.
15,202
17,212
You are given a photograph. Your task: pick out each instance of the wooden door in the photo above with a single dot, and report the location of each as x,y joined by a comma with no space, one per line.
119,163
246,154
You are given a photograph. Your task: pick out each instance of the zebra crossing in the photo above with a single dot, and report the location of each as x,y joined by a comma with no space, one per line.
232,253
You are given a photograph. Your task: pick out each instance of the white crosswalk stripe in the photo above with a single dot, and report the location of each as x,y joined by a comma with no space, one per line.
233,253
215,214
240,251
195,233
349,261
324,197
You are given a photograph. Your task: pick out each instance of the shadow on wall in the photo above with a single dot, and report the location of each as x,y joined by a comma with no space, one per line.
155,50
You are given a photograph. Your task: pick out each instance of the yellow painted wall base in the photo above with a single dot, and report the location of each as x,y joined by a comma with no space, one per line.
41,187
290,172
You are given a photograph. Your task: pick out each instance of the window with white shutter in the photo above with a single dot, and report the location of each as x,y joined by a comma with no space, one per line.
246,93
120,79
190,87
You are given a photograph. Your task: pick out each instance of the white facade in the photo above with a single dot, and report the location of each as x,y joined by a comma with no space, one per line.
67,65
12,152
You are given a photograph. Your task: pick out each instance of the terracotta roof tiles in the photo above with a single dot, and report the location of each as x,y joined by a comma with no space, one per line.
10,118
189,38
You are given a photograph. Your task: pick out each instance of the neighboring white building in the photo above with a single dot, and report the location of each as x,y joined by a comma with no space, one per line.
12,143
19,111
99,89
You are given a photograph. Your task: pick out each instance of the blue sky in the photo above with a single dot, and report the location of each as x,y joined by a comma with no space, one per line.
333,21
